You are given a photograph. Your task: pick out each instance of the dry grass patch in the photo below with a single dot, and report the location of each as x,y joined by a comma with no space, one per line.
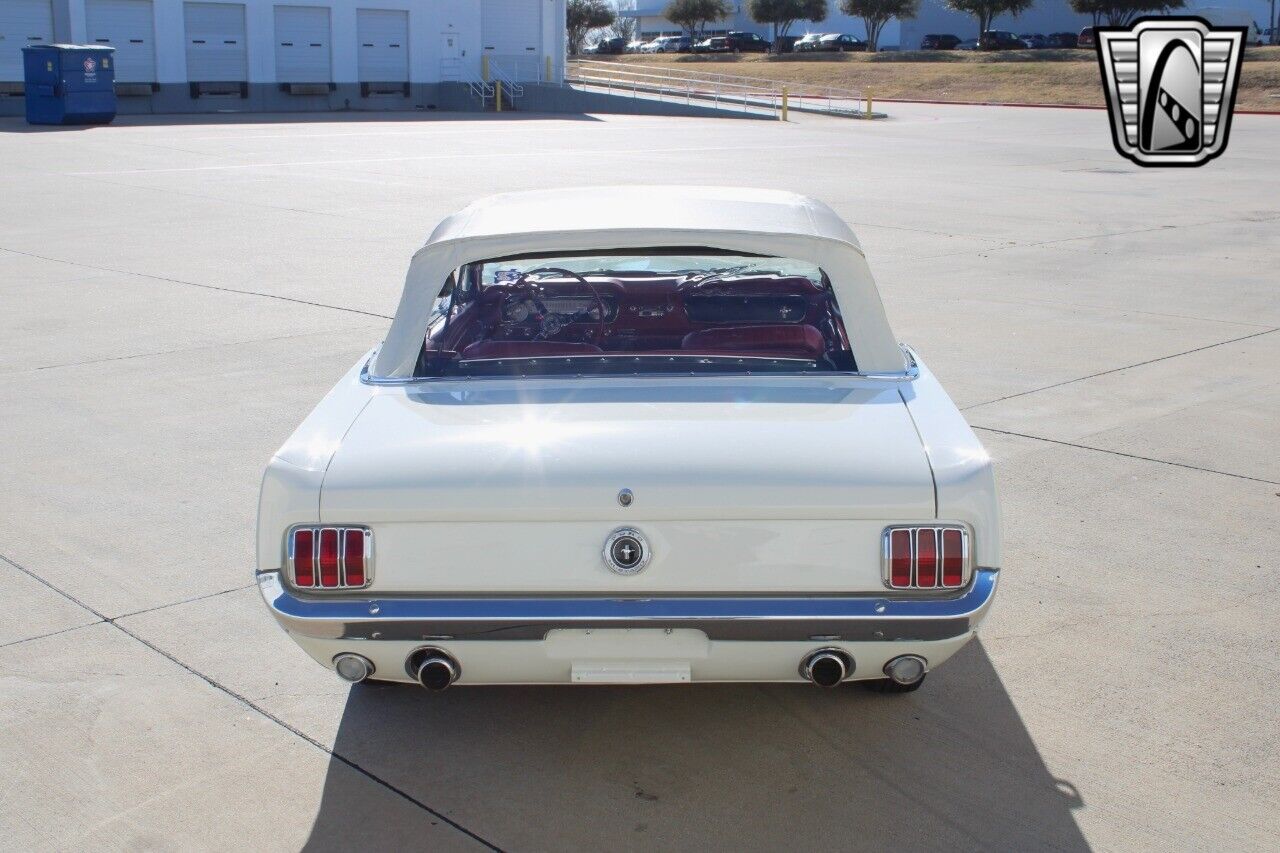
1013,77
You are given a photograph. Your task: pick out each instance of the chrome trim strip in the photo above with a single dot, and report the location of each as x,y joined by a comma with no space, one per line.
861,618
909,373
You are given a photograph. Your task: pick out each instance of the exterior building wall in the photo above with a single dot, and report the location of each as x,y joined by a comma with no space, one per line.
428,22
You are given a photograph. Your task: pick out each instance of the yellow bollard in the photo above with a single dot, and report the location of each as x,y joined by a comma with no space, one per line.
547,77
868,115
497,96
484,68
784,103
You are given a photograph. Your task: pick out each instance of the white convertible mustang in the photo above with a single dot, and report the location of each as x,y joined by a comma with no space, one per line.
636,435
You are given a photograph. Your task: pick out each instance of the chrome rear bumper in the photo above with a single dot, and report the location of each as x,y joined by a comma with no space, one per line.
863,618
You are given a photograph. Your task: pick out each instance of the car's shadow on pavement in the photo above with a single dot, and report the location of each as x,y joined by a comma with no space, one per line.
710,766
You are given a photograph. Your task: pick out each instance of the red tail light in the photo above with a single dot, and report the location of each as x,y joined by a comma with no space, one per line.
304,557
900,558
953,558
926,557
353,557
331,557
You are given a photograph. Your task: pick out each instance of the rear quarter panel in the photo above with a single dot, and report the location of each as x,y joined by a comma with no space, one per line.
963,475
290,492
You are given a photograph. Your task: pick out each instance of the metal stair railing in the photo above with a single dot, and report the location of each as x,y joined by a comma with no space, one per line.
501,77
481,90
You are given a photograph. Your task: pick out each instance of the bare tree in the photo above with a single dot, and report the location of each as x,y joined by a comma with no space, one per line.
625,27
583,16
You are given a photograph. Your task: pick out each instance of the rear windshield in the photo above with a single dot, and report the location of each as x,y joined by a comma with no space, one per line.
662,312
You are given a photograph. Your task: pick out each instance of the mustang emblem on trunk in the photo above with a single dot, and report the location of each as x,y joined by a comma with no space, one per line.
625,551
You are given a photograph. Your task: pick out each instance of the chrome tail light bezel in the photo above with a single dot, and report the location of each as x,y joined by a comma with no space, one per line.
938,530
317,530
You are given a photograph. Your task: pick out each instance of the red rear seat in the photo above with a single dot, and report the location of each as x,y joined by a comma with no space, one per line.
526,349
789,341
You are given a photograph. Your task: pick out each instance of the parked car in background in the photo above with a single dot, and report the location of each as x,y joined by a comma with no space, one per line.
664,44
1061,40
968,44
579,459
734,42
615,45
939,41
840,43
748,43
1086,38
634,46
785,44
999,40
1034,41
808,42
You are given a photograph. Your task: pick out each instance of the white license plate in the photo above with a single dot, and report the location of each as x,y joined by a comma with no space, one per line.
621,672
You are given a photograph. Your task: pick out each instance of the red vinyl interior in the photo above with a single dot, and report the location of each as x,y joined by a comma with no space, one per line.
784,317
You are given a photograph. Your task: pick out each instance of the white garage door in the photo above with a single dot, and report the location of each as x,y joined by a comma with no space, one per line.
22,22
384,45
302,44
512,27
127,26
216,50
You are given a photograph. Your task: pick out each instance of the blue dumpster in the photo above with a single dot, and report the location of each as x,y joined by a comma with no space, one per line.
69,83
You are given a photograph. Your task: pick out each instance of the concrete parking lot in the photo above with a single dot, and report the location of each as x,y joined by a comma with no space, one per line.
176,295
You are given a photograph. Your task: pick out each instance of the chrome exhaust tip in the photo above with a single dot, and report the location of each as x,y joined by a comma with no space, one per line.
433,669
352,667
826,667
907,670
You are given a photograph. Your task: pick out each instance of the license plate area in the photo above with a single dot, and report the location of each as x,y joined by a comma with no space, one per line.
630,673
628,655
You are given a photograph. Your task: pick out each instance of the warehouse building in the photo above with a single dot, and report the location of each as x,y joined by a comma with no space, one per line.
257,55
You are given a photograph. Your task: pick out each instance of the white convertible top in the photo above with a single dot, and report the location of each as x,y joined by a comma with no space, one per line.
599,219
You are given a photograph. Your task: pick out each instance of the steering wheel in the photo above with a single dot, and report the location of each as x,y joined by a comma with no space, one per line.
523,281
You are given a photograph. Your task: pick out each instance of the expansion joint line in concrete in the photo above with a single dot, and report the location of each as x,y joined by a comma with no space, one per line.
1128,455
244,700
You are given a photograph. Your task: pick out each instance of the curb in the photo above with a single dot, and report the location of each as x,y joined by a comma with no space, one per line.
1275,112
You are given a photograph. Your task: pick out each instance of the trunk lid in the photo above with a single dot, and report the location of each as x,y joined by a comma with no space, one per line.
756,485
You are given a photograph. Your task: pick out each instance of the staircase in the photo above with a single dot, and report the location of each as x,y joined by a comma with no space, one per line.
498,87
